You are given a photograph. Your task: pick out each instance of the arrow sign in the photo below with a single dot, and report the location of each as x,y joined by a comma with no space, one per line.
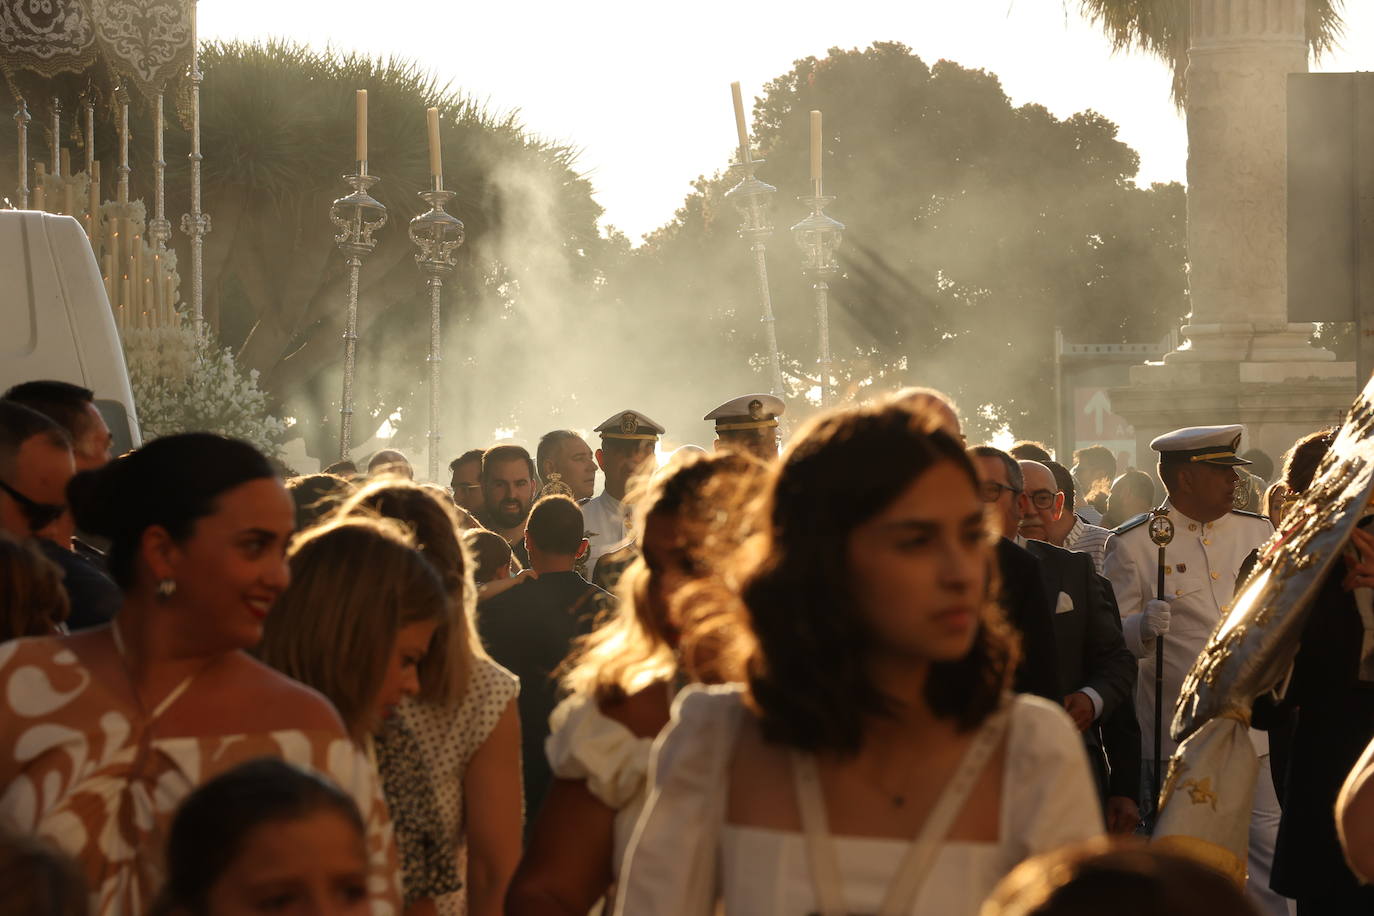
1098,406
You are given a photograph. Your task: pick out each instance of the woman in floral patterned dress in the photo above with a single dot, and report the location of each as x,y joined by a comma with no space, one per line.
103,733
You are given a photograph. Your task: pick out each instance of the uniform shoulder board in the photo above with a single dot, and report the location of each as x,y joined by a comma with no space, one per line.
1130,523
1263,518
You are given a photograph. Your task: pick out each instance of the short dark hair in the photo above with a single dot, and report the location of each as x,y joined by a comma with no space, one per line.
1307,453
316,496
472,454
61,401
1138,483
40,878
1096,456
797,595
1063,480
212,824
19,424
500,454
1015,478
389,458
344,468
547,443
489,553
171,482
1028,450
556,526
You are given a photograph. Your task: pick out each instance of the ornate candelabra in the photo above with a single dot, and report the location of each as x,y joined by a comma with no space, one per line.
159,227
57,137
196,224
819,237
437,234
751,196
357,217
21,123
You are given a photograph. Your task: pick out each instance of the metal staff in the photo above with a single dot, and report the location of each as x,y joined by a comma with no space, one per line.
356,217
196,223
819,236
1161,533
437,233
21,123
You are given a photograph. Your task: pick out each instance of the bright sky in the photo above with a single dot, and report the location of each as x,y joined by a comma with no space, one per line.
643,90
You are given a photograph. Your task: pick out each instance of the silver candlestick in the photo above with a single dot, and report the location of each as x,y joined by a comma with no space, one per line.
357,217
196,224
751,196
819,237
57,138
21,123
159,227
437,234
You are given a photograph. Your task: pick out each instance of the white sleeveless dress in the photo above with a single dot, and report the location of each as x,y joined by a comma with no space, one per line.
684,860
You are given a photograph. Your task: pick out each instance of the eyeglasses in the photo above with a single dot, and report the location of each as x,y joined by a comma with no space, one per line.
991,490
40,515
1042,499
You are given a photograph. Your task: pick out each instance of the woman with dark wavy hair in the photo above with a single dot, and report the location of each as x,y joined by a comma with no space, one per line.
875,761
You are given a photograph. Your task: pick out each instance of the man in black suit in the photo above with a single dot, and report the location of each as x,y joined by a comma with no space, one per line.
1023,589
1096,671
530,628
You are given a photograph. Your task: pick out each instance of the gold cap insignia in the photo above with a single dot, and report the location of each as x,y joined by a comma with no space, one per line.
628,423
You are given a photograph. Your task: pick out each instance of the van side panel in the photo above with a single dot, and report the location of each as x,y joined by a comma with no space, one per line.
52,298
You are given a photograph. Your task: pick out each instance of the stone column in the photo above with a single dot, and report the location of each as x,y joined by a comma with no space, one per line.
1240,55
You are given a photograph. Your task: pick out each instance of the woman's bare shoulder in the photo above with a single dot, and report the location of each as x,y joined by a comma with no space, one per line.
278,702
644,713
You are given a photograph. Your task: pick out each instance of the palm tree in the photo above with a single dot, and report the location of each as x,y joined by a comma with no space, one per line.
1161,27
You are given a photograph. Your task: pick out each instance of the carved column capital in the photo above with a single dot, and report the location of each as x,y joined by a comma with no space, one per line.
1222,25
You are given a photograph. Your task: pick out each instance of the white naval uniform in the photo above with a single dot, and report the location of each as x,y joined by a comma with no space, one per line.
607,520
1201,566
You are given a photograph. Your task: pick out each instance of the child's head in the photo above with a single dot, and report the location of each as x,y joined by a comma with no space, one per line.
265,836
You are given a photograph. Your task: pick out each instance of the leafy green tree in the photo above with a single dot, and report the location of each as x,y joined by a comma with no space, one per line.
974,229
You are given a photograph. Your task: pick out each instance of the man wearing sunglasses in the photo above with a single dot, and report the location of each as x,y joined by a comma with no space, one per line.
36,464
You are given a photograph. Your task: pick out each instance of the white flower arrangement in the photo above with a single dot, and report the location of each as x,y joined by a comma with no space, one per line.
183,383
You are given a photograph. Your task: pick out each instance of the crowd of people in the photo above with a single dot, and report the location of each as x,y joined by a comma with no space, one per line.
873,670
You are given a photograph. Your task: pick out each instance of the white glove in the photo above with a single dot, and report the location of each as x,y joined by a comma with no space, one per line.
1154,618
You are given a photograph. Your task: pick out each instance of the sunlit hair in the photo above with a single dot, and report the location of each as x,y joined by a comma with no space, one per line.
808,674
316,496
429,515
1124,877
355,583
1301,462
632,648
32,599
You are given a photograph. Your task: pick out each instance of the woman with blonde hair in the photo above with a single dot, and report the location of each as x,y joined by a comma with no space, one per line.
32,599
622,678
460,733
358,639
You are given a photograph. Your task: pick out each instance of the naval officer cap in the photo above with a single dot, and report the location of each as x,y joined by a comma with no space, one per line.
749,411
631,425
1201,445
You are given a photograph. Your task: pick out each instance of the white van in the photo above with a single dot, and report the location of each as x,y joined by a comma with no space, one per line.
55,319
